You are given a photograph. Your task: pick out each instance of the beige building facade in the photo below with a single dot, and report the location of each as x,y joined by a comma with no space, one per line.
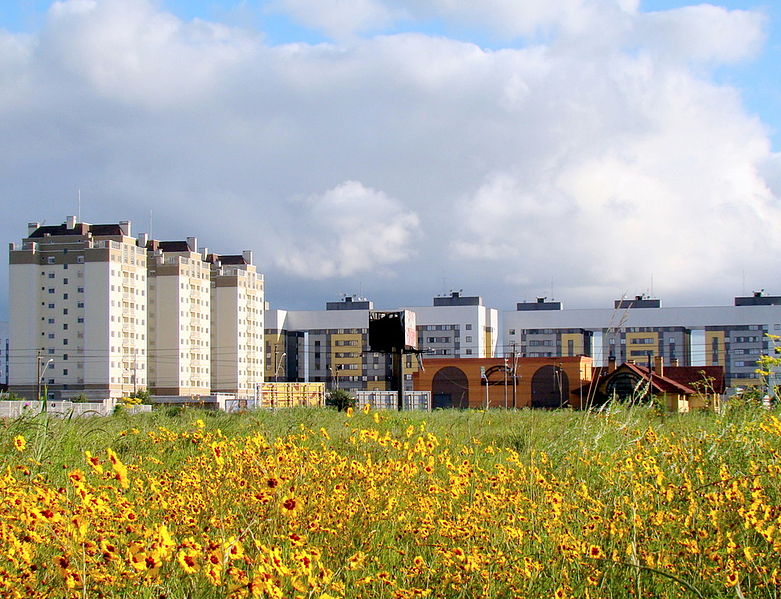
96,312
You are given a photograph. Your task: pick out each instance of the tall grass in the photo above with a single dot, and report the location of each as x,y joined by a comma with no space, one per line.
316,503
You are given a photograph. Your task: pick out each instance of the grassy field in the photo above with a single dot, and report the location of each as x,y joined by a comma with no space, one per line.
318,504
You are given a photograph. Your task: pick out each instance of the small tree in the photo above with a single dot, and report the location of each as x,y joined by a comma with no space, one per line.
143,395
340,399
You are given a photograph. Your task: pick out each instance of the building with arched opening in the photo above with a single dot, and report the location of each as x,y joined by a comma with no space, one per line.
500,383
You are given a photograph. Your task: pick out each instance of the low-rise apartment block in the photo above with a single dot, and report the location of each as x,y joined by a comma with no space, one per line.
641,330
332,345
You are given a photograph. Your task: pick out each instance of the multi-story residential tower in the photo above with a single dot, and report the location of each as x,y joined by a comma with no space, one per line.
237,305
94,311
179,319
641,330
78,310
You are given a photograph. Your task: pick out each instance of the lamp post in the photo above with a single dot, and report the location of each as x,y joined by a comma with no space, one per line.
279,358
485,378
280,361
41,373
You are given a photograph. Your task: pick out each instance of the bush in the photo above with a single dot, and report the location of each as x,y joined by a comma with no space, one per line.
340,399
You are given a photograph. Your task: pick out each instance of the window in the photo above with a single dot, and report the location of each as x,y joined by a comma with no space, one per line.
64,296
51,321
65,280
51,335
50,260
512,331
65,310
65,342
468,327
51,275
468,339
80,319
64,372
80,289
51,305
80,305
51,289
80,259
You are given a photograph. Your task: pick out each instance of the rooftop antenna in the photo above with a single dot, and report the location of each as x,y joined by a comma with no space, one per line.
78,207
651,291
150,224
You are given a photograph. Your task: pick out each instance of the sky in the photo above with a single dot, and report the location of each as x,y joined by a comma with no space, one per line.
581,150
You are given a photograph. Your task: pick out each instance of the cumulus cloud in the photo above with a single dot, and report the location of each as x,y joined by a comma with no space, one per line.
596,154
347,230
339,18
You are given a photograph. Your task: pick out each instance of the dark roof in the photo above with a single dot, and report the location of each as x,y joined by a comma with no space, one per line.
710,376
80,229
231,259
676,379
226,259
659,382
173,246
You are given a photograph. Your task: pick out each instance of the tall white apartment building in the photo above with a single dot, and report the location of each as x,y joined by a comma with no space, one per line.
237,307
78,310
97,312
179,319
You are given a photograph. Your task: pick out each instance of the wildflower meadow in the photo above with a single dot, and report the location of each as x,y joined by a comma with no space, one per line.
314,503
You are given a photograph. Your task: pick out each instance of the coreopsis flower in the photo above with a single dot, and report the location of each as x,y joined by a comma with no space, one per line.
188,560
291,505
20,443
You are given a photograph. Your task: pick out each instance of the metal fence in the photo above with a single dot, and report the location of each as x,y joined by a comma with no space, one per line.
14,409
388,400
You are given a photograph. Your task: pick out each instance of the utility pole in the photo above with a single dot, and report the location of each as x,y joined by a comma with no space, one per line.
505,382
38,378
515,377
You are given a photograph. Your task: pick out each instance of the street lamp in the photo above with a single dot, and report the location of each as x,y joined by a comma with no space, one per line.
279,365
41,373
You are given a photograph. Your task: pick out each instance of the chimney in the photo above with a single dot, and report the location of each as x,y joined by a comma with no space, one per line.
31,227
125,226
611,363
192,243
248,257
70,222
659,365
143,239
674,362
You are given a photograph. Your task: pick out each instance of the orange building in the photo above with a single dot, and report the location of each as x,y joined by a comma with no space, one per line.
489,382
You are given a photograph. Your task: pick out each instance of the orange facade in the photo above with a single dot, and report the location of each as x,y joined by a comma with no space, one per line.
489,382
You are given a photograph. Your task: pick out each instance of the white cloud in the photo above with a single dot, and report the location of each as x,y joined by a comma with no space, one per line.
704,33
595,156
347,230
339,18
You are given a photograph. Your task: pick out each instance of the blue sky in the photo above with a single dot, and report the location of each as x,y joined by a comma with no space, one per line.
491,151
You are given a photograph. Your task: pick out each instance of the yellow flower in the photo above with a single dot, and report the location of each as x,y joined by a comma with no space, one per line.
20,443
187,558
